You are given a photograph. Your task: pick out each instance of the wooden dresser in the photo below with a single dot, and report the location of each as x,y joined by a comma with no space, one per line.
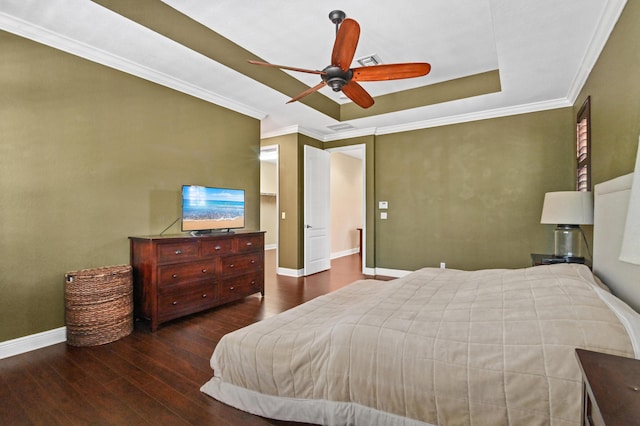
175,276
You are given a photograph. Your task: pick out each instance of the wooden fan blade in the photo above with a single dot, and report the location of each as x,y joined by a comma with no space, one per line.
308,92
357,94
345,45
391,71
284,67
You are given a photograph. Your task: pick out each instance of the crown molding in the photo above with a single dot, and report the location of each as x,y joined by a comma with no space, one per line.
476,116
349,134
280,132
612,11
56,40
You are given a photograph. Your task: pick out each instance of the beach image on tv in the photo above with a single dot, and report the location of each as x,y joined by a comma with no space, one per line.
212,208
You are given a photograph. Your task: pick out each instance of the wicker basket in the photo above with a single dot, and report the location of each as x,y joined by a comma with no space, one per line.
98,305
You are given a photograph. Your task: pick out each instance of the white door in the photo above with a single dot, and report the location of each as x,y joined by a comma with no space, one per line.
317,244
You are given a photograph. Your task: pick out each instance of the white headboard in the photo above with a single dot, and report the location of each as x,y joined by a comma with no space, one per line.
610,212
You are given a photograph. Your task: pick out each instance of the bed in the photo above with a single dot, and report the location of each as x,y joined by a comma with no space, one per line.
439,346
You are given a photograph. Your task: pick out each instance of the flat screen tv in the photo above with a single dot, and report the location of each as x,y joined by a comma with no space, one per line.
206,209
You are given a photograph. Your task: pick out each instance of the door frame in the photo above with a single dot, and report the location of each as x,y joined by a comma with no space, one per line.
276,148
361,150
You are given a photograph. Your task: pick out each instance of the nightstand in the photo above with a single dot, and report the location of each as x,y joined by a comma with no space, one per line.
538,259
611,391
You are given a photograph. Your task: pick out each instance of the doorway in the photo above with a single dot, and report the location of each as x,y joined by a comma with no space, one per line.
269,176
348,206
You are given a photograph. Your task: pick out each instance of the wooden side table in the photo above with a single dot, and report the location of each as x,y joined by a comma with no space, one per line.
538,259
611,393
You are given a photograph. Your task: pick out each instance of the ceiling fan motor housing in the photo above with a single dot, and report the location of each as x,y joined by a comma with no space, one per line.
336,78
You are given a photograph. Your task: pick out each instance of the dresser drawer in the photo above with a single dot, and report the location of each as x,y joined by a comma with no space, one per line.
222,246
174,274
176,252
249,243
176,301
242,263
239,287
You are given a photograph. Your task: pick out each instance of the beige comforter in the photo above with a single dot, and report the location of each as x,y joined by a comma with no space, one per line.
437,346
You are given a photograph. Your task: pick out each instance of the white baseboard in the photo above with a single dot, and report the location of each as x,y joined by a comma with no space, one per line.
32,342
291,272
369,271
344,253
396,273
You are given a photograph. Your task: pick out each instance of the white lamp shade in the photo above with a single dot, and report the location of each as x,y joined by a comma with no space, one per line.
568,208
631,239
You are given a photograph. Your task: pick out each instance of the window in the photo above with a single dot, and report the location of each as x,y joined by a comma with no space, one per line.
583,147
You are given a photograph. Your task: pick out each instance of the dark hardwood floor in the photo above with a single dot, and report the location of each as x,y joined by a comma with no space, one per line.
151,378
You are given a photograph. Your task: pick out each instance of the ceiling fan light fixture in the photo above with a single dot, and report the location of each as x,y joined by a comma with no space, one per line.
369,61
336,83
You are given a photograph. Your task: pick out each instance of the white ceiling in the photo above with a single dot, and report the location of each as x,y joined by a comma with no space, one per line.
543,49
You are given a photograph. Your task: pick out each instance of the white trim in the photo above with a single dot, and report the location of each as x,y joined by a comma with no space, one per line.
32,342
396,273
296,273
476,116
270,246
608,20
369,271
344,253
289,130
425,124
42,35
349,134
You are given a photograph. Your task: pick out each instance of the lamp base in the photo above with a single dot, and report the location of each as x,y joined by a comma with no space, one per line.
567,241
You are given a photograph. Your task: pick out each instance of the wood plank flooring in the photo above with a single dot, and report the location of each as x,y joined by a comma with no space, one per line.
151,378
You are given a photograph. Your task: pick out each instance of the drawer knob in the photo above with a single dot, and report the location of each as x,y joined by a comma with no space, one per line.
174,276
253,261
253,282
204,271
178,251
232,288
175,302
217,247
249,243
204,296
231,266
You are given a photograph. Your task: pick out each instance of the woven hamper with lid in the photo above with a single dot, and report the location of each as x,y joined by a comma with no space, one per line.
98,305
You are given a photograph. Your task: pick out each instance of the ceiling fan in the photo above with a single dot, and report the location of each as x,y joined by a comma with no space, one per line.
341,77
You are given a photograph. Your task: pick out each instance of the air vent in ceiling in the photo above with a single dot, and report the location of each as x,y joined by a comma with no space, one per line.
370,60
340,127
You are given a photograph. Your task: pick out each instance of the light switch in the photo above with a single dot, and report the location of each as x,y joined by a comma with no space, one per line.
283,216
383,215
383,204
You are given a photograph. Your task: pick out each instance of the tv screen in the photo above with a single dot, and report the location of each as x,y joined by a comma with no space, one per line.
207,209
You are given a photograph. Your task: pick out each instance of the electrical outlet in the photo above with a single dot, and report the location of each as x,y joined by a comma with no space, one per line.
383,204
383,215
443,265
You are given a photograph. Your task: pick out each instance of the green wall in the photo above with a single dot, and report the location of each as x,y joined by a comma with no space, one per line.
291,196
614,87
470,194
288,198
90,156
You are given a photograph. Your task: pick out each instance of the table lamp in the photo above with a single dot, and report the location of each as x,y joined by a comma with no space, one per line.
568,210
